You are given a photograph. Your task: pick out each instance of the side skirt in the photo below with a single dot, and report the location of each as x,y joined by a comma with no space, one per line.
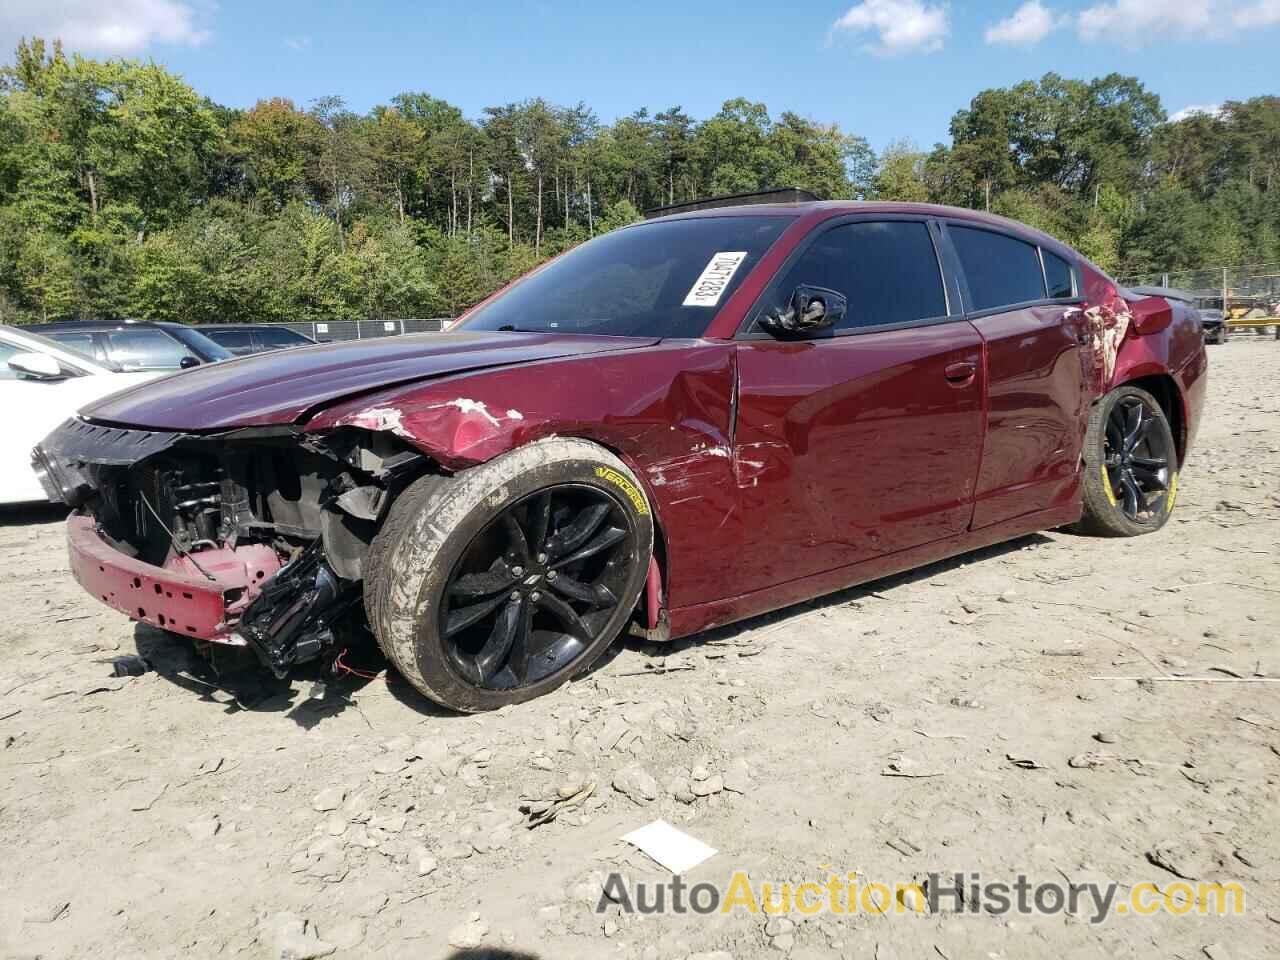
704,616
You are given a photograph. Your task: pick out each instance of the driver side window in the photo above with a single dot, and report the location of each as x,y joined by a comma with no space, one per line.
887,270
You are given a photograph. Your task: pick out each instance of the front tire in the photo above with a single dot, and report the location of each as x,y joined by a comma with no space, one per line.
502,583
1130,466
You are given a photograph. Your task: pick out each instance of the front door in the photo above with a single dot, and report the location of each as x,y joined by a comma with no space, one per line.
864,440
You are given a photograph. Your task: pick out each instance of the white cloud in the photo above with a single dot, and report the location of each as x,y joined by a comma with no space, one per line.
1132,22
1265,13
297,43
902,26
1209,109
1025,27
113,27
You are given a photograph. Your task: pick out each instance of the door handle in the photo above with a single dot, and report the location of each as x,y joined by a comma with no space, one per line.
961,373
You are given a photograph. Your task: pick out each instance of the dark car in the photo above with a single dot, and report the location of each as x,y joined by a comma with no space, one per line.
245,338
673,426
136,344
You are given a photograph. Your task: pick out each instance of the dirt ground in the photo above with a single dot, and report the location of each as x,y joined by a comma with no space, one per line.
921,724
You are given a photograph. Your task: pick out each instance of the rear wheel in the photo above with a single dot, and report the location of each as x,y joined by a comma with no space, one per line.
500,584
1131,466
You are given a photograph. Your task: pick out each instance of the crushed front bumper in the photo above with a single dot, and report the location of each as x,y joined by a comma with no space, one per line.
176,597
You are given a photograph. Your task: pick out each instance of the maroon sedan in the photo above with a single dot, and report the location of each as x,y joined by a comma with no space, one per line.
677,425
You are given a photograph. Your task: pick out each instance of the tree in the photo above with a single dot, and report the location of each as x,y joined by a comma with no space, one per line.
340,156
900,174
271,140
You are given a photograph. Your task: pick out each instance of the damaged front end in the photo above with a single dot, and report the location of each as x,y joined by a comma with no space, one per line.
252,537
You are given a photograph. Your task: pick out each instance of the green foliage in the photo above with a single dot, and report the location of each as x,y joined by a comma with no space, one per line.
124,193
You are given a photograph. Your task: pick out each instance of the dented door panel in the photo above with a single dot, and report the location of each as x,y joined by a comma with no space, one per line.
1038,408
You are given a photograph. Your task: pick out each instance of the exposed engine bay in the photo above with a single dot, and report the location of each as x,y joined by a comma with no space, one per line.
277,521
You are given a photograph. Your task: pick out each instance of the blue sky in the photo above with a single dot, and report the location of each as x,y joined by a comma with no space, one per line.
880,68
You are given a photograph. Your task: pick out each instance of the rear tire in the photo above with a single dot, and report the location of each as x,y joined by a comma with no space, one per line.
1130,466
502,583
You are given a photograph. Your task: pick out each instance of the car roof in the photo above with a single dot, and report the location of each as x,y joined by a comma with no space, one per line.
90,326
244,326
818,210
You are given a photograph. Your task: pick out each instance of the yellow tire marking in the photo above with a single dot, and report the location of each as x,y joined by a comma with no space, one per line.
1173,494
1106,485
626,486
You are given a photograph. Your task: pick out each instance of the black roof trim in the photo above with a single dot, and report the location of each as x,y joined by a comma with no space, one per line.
778,195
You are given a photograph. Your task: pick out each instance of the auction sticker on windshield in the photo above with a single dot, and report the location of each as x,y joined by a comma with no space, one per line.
710,285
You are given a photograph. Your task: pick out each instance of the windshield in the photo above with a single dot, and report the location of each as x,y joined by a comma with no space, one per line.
199,344
662,279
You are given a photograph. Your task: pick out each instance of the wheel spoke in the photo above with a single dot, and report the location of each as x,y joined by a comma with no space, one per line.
596,594
516,542
496,649
522,645
567,616
539,519
459,620
1150,463
496,579
562,650
1138,425
1132,495
606,538
1148,479
573,536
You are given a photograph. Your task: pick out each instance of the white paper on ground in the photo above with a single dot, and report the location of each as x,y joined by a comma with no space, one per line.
672,848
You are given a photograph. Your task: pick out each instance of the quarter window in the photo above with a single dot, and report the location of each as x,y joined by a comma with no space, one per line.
887,270
1000,270
1057,275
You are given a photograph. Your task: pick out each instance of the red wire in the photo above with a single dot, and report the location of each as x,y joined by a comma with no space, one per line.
363,674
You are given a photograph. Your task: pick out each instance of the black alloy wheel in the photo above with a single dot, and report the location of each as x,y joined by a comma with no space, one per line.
536,588
1138,459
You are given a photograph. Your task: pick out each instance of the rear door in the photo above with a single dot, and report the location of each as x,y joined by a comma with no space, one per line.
863,440
1023,301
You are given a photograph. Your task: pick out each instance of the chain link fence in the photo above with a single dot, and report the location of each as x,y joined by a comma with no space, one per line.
330,330
1237,291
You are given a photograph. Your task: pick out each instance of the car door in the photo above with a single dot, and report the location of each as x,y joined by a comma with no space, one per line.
43,404
862,440
1023,301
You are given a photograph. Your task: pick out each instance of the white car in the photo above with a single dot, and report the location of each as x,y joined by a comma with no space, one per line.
41,384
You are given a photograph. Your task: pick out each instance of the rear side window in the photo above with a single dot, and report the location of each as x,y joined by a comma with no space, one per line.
145,350
237,341
1057,275
888,271
80,342
279,337
1000,270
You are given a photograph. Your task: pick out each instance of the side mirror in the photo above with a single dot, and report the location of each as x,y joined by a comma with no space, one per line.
810,308
37,366
187,362
1151,315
